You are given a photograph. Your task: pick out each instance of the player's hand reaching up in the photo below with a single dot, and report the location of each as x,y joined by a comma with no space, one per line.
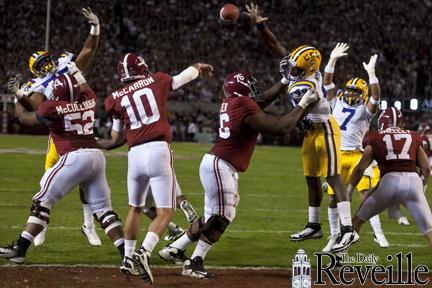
339,51
91,17
14,87
370,67
254,14
310,97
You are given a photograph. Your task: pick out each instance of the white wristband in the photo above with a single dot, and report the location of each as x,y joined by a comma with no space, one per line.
329,87
19,94
284,81
80,78
373,101
373,80
329,69
95,30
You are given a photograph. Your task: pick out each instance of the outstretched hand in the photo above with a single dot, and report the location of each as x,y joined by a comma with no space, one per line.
254,14
339,51
370,67
91,17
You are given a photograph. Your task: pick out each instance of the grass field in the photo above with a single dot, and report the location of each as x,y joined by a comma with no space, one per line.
273,204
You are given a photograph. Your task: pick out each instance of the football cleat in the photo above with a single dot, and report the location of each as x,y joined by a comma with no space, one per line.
130,266
195,268
39,240
311,231
381,240
189,211
13,252
347,237
403,221
172,255
174,234
142,256
330,243
90,233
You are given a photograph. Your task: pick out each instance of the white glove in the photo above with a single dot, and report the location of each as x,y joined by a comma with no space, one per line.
14,87
311,96
370,69
92,19
74,71
338,52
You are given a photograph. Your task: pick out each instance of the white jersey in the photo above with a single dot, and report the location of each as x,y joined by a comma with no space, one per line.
321,111
353,122
44,84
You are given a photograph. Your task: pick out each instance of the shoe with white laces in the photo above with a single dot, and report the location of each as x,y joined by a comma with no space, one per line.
90,232
39,240
403,221
130,266
13,252
381,240
330,243
347,237
195,268
142,257
172,255
311,231
189,211
175,234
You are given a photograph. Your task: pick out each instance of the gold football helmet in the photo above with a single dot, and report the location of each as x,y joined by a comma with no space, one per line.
355,92
303,61
41,63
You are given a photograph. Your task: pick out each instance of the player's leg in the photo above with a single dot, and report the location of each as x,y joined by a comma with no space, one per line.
88,229
417,204
55,183
221,188
394,212
98,196
162,182
311,167
185,205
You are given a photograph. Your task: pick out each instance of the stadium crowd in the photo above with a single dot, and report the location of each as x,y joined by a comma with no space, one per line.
172,34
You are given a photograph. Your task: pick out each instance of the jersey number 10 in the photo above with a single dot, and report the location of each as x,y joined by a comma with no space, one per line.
148,111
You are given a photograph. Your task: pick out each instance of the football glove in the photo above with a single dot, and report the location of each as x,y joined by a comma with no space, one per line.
304,125
284,67
370,69
91,17
14,86
338,52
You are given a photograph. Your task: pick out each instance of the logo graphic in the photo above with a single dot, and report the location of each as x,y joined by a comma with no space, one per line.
301,270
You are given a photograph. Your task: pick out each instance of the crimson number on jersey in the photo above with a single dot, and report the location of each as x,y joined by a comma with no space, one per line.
144,102
389,141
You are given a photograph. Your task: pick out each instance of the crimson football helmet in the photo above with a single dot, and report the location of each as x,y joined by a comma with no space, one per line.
66,88
131,67
242,84
390,117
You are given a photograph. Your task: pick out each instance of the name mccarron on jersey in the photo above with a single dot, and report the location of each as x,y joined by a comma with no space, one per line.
135,86
75,107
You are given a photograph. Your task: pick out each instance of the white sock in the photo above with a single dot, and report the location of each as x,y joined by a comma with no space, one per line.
344,209
129,247
376,224
27,236
333,216
182,243
88,215
201,249
150,241
171,226
314,214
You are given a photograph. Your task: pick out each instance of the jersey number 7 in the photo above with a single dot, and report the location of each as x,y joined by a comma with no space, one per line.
351,113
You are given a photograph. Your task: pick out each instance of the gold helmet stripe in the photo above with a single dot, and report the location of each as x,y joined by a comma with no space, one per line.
304,49
304,82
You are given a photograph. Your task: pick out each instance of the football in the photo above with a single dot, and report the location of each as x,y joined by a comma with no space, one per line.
229,13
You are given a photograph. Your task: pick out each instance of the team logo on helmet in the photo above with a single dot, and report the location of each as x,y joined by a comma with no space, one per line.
303,62
66,88
239,84
132,67
391,117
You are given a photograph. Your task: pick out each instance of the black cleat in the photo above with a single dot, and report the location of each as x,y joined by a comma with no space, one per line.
13,252
172,255
195,268
311,231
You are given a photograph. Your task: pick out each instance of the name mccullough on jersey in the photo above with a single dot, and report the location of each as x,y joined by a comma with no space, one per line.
76,107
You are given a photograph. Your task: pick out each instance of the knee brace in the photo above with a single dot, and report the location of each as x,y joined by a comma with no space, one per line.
194,231
108,220
214,228
39,213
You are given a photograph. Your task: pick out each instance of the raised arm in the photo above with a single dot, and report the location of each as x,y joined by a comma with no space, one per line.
86,54
191,73
269,124
338,52
363,164
374,100
267,36
23,100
